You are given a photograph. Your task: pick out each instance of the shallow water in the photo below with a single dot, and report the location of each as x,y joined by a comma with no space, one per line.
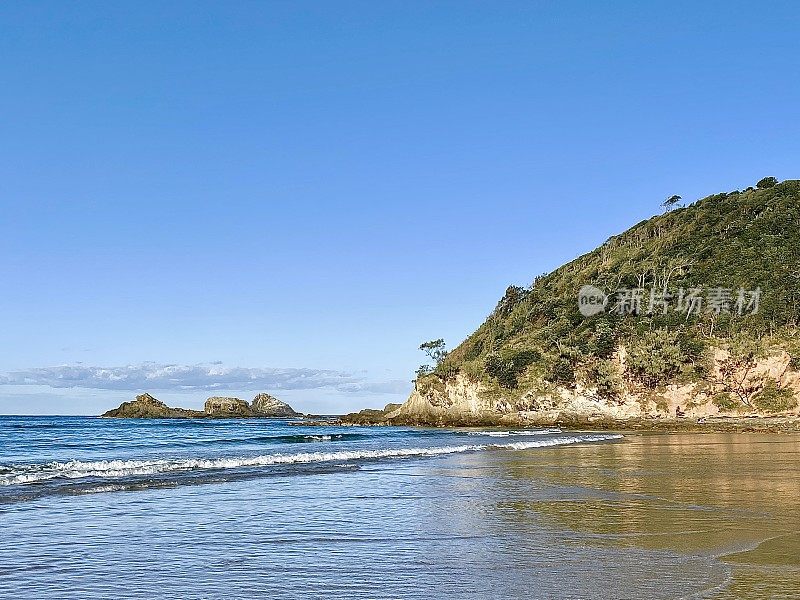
95,508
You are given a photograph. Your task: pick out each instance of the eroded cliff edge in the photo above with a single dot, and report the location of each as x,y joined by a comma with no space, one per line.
773,387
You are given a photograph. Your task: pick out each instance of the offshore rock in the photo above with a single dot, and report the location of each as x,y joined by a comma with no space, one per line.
222,407
265,405
147,407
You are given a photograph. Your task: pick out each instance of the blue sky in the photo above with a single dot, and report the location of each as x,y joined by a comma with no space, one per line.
291,196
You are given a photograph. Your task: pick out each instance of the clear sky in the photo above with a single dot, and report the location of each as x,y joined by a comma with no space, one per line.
291,196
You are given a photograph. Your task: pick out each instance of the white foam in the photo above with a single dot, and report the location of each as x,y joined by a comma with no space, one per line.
524,432
101,489
126,468
600,437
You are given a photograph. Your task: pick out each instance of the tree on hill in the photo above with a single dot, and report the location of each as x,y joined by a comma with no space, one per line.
767,183
435,349
670,202
424,370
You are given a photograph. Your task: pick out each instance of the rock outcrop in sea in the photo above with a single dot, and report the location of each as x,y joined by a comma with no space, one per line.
146,406
266,405
222,407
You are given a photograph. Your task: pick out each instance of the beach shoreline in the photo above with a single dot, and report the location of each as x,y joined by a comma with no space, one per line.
743,424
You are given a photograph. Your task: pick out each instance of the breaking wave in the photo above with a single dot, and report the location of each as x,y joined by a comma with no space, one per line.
521,432
113,469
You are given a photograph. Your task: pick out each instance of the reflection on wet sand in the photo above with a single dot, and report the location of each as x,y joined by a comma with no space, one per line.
734,497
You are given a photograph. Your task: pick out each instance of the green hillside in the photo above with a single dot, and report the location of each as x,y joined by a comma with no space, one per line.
739,252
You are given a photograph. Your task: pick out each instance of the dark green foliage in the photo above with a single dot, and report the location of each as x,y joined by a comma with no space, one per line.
474,349
494,365
562,372
767,183
726,401
605,376
604,341
692,346
524,358
513,296
773,398
446,371
435,349
655,358
424,370
502,370
506,369
508,378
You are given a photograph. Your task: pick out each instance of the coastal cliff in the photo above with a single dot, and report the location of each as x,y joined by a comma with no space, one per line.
146,406
460,401
690,315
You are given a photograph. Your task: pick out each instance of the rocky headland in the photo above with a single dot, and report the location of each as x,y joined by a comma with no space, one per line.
688,320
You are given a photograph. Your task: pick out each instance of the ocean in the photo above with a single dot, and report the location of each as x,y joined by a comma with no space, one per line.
260,508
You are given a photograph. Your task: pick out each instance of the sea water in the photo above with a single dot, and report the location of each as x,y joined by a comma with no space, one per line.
264,508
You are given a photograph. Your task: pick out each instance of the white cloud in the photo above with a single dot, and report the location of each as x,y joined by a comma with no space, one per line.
207,376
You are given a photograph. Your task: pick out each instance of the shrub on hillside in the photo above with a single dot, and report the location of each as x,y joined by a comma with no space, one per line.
604,341
726,401
506,370
605,377
562,372
655,357
767,183
773,398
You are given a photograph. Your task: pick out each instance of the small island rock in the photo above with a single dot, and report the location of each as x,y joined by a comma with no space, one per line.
218,406
265,405
147,407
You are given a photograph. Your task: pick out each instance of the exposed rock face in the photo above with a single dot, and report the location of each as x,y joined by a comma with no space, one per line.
218,406
147,407
460,401
457,402
264,405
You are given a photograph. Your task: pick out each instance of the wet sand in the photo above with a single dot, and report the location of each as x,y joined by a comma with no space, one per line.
733,498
